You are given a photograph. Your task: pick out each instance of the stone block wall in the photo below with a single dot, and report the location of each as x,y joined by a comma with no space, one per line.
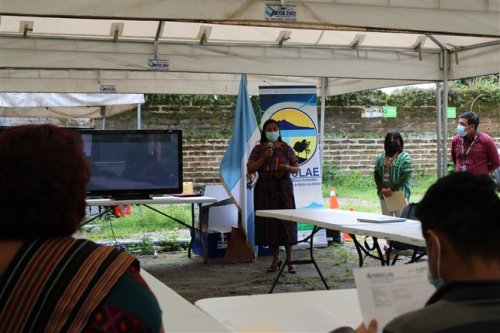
359,154
352,144
345,121
202,157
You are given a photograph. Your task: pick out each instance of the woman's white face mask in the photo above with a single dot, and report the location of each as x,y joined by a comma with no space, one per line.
273,136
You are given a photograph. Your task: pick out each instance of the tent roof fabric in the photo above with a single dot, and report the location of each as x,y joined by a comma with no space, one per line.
54,105
67,100
188,46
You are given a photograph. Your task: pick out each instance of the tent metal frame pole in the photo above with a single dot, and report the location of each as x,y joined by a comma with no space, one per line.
444,113
139,123
158,43
324,83
103,117
438,130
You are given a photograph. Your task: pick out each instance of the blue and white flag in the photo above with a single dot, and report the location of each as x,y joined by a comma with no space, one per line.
233,169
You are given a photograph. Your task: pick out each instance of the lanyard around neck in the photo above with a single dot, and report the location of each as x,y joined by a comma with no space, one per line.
464,156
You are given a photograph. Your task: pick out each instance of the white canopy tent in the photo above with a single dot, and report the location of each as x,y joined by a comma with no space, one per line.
63,105
201,47
79,46
69,106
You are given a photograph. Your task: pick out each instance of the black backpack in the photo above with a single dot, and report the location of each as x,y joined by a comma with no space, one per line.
408,213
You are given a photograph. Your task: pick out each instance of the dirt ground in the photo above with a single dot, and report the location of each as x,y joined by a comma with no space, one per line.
194,280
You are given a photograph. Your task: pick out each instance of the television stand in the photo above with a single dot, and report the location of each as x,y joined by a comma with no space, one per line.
150,203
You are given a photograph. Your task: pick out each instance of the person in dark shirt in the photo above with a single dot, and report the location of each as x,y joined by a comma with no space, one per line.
460,222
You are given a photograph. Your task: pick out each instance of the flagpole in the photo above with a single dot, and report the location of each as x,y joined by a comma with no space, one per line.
233,165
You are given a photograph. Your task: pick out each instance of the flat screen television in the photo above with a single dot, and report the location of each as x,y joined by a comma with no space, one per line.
133,164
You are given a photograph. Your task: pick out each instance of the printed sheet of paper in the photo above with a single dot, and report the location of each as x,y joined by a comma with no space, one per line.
395,202
385,292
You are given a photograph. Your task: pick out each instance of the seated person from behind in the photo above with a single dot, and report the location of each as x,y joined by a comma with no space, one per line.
49,281
460,222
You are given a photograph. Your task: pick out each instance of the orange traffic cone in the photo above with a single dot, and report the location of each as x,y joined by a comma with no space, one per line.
346,235
334,204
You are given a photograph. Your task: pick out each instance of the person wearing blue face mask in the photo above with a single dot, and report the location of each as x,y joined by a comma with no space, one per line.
274,161
471,150
463,265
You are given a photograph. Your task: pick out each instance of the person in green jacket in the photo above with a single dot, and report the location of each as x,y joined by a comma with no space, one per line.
393,170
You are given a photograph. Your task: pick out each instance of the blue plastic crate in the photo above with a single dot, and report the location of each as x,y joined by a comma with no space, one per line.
215,243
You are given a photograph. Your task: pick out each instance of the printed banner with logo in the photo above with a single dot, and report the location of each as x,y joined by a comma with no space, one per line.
295,110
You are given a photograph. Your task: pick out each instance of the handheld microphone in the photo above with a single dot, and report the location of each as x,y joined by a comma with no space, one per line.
269,144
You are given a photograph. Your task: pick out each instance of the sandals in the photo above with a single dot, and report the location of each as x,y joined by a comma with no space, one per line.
274,266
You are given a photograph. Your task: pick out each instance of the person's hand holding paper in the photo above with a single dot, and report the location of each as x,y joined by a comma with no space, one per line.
388,291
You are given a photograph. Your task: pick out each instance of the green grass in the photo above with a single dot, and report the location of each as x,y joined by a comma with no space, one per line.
356,185
142,221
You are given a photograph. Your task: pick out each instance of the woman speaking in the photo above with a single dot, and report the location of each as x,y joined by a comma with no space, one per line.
274,161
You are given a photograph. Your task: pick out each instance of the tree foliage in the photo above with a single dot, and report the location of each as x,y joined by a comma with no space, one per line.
461,92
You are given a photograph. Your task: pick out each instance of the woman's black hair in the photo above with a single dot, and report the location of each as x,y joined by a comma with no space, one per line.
390,135
263,137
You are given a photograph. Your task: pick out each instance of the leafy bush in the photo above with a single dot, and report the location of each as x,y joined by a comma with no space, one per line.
188,100
463,92
411,96
371,97
460,92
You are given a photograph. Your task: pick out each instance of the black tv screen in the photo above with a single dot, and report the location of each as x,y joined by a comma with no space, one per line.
133,163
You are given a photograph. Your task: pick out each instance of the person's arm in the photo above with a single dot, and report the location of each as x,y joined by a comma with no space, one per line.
293,166
253,164
398,183
377,177
492,153
407,170
289,167
452,149
130,300
378,180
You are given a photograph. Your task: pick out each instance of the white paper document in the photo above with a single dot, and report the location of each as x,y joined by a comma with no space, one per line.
385,292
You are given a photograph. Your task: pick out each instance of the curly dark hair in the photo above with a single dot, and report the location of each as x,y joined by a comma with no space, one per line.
43,176
459,204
